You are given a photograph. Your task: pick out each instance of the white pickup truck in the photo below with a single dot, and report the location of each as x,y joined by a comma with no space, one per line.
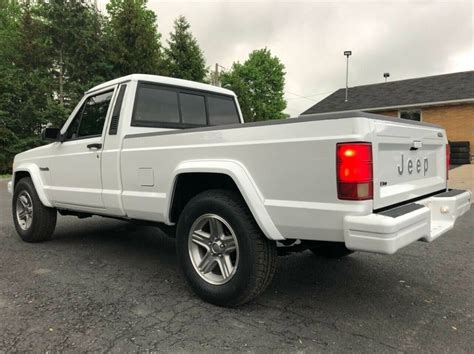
177,153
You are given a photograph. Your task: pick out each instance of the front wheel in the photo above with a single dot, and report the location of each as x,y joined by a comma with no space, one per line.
33,221
225,257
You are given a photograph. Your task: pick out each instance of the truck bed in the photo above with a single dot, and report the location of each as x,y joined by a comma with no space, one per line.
291,164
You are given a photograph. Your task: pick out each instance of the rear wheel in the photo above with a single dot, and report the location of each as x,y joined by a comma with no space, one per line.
331,250
225,257
33,221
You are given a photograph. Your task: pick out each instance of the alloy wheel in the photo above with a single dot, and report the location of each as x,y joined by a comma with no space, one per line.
24,210
213,249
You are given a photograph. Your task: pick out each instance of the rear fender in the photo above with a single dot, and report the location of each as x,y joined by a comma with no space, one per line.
242,180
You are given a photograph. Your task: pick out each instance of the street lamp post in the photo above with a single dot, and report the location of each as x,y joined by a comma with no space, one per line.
347,53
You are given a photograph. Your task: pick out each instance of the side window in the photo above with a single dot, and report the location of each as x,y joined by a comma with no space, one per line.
71,132
222,110
155,105
94,114
114,121
90,118
193,109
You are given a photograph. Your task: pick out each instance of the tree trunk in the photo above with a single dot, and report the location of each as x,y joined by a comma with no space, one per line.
61,78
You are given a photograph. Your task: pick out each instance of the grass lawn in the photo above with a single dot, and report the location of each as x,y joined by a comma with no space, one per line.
5,176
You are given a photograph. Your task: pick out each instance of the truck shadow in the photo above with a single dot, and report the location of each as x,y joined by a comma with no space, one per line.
301,279
118,238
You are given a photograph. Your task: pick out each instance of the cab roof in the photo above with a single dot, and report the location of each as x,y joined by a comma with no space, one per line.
163,80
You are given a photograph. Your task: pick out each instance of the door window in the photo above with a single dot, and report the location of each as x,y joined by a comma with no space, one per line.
71,132
89,120
94,114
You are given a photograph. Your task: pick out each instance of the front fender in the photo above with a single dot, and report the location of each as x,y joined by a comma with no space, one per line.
242,180
35,175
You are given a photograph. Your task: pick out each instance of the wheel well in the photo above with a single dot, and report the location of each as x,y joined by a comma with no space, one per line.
19,175
188,185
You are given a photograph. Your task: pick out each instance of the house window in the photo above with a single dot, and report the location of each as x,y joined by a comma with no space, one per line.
411,115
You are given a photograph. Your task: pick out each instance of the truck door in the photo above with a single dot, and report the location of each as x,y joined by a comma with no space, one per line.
76,162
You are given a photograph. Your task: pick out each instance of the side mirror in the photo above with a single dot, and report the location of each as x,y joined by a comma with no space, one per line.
51,134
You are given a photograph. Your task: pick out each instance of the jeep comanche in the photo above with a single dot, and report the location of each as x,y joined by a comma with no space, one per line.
177,153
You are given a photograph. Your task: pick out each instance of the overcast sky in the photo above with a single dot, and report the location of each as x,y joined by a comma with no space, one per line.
406,38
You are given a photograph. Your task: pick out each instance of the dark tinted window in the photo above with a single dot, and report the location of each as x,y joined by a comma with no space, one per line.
156,105
94,109
71,131
222,110
94,113
193,109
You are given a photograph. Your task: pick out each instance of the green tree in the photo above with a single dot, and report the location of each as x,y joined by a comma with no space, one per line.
10,13
259,83
133,38
74,30
24,78
9,33
184,57
25,101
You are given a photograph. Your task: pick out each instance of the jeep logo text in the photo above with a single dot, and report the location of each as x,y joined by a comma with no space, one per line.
413,165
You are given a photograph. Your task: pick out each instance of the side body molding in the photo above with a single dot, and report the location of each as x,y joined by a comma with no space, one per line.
244,183
35,174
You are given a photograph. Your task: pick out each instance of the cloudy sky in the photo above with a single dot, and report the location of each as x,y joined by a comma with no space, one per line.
406,38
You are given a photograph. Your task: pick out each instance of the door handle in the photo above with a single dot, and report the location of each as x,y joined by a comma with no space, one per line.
96,146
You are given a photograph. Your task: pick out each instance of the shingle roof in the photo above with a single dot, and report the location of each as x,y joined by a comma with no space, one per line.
439,88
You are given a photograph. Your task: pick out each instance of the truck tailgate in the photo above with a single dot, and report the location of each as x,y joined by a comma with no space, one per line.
409,161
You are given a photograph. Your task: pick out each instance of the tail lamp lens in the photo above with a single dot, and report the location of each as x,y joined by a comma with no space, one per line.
354,171
448,159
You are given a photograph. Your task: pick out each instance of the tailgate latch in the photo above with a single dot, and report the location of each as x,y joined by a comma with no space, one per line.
415,145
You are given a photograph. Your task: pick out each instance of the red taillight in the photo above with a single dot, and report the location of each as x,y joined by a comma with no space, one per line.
448,159
354,171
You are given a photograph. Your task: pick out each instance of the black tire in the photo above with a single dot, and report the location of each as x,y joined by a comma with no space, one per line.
257,254
460,155
460,162
331,250
43,219
456,149
459,144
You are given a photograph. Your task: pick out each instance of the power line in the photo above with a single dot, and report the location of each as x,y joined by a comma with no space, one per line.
306,97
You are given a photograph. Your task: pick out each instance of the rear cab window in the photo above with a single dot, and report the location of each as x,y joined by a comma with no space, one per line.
162,106
222,110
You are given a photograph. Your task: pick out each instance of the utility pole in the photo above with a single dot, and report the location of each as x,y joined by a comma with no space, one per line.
347,53
215,77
